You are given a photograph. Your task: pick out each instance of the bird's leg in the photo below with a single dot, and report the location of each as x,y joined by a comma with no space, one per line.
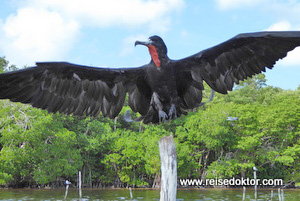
128,119
162,116
212,95
172,112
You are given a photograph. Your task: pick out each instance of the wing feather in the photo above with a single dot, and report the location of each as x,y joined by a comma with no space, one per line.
238,58
74,89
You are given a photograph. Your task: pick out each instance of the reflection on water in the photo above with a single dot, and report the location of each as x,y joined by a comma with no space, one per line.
143,194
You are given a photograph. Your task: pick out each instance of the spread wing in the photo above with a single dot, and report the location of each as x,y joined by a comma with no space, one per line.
234,60
74,89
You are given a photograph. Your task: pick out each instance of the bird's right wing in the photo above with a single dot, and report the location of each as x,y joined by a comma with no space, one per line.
75,89
236,59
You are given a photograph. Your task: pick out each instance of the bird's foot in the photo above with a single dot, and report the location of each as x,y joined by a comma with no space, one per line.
162,116
172,112
127,117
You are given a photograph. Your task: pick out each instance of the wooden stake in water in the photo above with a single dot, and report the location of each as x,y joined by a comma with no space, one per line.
79,184
130,191
168,169
279,195
244,193
67,188
271,195
255,178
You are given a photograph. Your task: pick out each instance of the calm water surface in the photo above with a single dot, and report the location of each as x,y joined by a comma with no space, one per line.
143,194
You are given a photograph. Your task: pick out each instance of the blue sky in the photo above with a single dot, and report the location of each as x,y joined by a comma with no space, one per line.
103,32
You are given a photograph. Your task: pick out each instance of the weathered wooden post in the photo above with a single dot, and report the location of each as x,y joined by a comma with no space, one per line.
79,184
67,188
130,192
244,193
279,195
168,169
271,195
255,178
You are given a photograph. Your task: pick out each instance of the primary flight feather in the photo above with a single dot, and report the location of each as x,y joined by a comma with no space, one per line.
161,90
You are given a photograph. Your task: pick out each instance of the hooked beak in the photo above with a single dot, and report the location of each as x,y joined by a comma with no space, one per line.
146,43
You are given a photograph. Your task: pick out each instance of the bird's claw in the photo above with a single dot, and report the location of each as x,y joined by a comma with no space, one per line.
162,116
127,117
172,112
171,115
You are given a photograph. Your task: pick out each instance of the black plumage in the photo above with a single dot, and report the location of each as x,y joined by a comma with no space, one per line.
163,89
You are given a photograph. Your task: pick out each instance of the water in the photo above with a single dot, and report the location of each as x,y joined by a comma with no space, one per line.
143,194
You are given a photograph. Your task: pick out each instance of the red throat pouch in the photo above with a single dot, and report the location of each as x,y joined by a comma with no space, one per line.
154,55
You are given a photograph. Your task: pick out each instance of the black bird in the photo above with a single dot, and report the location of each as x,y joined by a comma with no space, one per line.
161,90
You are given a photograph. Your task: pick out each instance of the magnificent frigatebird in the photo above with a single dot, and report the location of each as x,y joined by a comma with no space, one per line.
163,89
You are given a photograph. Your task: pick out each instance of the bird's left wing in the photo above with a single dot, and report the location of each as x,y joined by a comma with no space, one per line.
72,89
238,58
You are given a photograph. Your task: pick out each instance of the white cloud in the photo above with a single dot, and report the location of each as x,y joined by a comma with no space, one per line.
36,35
113,12
292,58
46,30
283,25
232,4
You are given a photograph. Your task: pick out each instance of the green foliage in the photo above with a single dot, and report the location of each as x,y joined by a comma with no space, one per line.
4,67
37,148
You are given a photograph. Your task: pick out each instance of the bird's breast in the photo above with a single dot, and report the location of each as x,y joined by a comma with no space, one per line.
162,81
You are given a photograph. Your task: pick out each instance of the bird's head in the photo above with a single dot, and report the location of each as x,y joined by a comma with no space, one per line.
157,49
